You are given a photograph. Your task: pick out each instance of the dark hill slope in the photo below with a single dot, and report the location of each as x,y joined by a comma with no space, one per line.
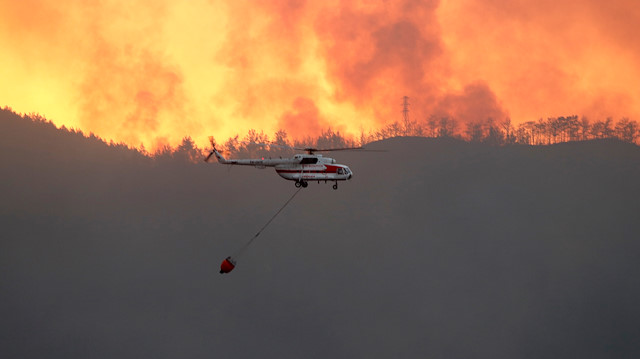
436,248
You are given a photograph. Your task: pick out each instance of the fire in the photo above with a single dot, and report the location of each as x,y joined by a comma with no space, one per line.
152,72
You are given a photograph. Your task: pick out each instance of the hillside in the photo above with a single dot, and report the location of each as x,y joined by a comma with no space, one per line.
436,248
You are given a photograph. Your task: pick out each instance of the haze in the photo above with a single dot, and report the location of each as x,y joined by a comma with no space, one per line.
436,248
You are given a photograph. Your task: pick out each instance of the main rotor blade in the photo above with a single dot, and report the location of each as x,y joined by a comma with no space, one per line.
271,145
334,149
311,150
359,149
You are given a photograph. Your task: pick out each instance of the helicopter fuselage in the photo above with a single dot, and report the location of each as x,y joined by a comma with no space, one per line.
301,168
314,172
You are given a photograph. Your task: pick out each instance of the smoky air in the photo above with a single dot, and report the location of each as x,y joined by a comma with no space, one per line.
436,248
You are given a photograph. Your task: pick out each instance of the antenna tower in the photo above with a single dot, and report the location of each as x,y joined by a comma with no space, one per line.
405,114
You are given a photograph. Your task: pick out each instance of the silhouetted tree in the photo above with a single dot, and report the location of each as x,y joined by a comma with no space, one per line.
494,136
447,127
627,130
432,126
475,132
364,137
526,133
232,146
542,133
509,137
163,153
393,129
572,128
141,149
281,138
607,129
307,141
597,130
255,144
187,151
412,128
603,129
584,128
282,146
331,139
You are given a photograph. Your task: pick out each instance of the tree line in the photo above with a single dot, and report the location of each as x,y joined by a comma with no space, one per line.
548,131
542,132
255,143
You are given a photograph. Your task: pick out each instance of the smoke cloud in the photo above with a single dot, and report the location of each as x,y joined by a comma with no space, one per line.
303,118
159,69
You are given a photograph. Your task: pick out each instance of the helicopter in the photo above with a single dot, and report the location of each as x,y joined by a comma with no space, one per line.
300,168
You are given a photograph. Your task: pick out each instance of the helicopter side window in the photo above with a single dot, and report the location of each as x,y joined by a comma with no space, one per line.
340,171
309,160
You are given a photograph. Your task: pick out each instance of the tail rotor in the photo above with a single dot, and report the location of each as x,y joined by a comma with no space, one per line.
213,148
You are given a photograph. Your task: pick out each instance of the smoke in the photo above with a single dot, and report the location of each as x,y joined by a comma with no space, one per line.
304,117
135,93
149,70
379,54
476,103
546,57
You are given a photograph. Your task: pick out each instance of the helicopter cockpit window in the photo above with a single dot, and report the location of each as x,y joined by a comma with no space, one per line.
340,171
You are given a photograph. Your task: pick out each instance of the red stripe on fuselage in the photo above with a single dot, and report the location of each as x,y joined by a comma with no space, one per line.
301,171
328,169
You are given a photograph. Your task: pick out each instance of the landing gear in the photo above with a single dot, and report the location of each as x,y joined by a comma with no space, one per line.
335,186
304,184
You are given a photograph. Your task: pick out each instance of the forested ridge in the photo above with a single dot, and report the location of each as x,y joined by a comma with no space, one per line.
553,130
437,247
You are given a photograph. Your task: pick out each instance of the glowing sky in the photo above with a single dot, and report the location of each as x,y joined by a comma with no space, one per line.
154,71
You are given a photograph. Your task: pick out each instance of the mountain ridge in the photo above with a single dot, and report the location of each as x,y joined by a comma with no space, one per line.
436,247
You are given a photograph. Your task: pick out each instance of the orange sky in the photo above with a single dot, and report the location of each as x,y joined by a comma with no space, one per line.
154,71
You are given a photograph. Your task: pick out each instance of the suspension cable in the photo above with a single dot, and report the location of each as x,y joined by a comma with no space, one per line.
241,250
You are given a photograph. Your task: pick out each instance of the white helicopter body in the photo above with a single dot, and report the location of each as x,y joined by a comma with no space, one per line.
301,168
